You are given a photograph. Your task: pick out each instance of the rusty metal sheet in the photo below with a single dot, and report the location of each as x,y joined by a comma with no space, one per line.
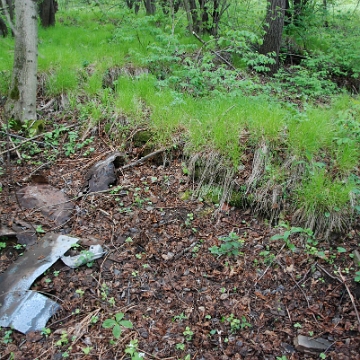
53,203
27,310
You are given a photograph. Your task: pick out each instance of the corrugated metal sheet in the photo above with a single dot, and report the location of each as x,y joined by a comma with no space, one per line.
21,308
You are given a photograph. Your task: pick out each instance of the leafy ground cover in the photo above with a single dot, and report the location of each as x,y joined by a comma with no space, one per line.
182,279
239,235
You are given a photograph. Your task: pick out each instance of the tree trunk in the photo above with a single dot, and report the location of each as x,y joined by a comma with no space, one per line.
3,28
150,7
21,103
188,15
47,10
274,24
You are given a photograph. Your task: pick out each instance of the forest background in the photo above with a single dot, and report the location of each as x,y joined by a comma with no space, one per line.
260,102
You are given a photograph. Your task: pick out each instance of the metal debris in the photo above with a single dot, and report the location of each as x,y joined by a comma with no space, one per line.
102,174
53,203
26,310
310,345
94,252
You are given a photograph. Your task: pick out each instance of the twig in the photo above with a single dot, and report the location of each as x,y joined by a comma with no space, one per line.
266,270
328,274
33,138
137,162
351,298
214,52
21,138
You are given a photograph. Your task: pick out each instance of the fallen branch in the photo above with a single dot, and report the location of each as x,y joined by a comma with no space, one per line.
351,298
214,52
32,139
140,161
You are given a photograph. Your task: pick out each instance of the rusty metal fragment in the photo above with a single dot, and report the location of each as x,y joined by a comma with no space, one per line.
53,203
311,345
103,173
20,308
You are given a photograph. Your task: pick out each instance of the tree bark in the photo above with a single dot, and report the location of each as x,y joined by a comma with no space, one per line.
47,10
3,28
21,103
150,7
274,24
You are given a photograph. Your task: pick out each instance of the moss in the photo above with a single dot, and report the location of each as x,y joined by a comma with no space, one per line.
15,93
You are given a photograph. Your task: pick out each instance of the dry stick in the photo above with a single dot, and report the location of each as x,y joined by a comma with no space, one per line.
266,270
33,138
12,143
343,281
214,52
351,298
137,162
21,137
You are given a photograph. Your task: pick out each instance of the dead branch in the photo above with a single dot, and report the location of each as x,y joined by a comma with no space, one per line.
214,52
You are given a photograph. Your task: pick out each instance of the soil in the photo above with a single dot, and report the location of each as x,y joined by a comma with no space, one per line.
159,272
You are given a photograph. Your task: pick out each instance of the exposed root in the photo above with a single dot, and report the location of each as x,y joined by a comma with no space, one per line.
322,225
258,166
214,172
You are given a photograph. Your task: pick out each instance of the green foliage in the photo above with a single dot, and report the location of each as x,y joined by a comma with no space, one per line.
357,276
132,350
116,324
237,324
231,245
286,236
188,333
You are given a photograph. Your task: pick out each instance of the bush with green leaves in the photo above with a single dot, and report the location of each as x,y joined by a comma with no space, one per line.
116,324
231,245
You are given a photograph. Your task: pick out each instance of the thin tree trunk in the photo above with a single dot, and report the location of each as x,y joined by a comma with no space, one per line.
274,24
188,15
21,103
47,10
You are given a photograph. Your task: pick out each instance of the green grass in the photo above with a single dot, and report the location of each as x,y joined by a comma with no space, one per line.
187,96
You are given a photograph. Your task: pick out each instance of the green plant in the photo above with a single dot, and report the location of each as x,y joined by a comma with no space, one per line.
7,337
116,324
297,325
86,350
86,257
132,350
46,332
180,346
2,245
63,339
188,333
237,324
180,317
94,319
80,292
230,246
39,229
286,236
189,219
357,276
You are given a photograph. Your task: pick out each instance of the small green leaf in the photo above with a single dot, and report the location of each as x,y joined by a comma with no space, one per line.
109,323
119,316
126,323
277,237
117,331
341,249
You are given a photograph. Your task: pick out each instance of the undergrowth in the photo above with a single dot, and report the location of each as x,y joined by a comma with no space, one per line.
299,129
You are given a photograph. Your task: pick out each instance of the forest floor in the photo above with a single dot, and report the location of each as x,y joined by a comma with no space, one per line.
183,301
